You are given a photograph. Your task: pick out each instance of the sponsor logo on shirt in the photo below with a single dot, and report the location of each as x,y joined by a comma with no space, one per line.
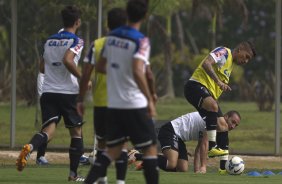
57,43
118,43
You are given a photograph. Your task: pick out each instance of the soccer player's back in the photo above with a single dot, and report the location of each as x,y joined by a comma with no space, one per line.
126,51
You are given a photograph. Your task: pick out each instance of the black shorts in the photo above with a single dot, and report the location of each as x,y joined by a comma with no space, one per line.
56,105
130,123
169,140
195,93
100,121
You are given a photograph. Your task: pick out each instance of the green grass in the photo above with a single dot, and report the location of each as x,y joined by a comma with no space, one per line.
56,174
255,133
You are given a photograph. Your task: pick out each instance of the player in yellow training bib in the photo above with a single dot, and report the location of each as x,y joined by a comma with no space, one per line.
208,82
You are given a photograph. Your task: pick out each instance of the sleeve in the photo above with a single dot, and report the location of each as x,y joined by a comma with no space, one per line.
143,51
90,56
220,55
77,46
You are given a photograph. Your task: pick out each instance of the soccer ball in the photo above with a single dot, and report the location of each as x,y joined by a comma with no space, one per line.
235,165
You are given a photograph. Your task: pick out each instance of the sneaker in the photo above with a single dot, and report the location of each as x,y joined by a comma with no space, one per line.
139,166
42,161
216,152
131,156
84,160
76,178
22,159
222,171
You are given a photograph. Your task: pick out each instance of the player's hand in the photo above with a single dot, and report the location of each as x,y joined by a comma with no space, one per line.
155,98
223,86
80,108
151,109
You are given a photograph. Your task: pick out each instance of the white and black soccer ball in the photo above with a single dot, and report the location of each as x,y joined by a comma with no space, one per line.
235,165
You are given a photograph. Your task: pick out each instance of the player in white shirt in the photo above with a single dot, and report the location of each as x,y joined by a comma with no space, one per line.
130,103
191,126
59,91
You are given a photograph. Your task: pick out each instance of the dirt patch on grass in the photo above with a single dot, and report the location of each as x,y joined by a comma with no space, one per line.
257,162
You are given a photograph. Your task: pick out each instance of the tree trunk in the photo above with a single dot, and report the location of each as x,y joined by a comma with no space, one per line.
180,35
169,92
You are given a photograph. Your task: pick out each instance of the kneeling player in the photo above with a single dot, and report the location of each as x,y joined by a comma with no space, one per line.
191,126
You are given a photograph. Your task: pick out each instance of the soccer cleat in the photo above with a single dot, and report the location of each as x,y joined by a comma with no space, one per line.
42,161
131,156
138,166
222,171
22,159
76,178
84,160
216,152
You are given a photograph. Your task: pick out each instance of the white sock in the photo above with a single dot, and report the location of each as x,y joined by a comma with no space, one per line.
211,135
120,182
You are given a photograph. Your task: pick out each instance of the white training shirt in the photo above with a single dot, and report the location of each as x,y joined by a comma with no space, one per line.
121,47
189,126
57,78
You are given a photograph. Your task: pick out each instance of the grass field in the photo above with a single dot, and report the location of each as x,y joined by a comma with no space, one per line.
57,174
254,135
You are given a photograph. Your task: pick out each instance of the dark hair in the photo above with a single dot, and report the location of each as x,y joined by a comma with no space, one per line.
249,46
231,113
136,10
116,18
70,14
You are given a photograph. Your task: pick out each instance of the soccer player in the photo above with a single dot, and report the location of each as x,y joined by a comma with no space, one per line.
191,126
59,91
207,83
130,104
116,18
41,150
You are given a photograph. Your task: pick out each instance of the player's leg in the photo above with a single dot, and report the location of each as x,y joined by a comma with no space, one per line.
169,145
141,131
115,142
182,162
50,116
121,165
197,95
74,123
100,121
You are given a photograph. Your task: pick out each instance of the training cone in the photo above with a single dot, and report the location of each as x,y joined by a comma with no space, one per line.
253,173
268,173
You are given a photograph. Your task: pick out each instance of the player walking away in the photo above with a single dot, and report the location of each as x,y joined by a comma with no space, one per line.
116,18
130,104
59,91
173,134
207,83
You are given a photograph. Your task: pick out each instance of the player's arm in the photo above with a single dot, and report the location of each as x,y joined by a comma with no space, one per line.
151,83
41,65
200,160
101,65
140,79
68,61
208,67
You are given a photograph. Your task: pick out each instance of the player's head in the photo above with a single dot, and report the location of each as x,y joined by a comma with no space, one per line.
71,16
136,10
116,18
243,52
233,119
